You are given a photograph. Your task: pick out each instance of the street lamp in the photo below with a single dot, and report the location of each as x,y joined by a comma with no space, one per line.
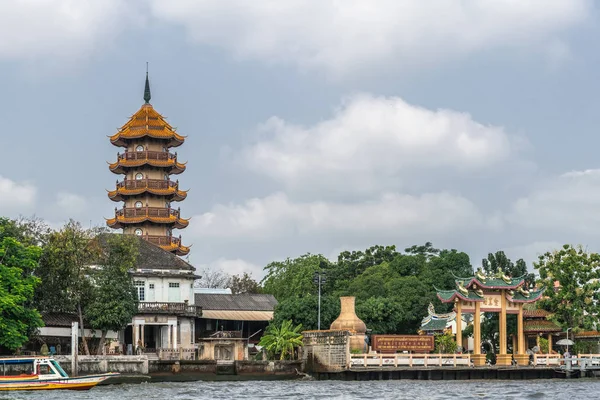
319,278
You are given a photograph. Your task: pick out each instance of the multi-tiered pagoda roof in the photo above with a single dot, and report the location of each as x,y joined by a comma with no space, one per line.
147,189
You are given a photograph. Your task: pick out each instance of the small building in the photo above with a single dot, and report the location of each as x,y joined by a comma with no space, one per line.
437,323
231,324
166,310
536,325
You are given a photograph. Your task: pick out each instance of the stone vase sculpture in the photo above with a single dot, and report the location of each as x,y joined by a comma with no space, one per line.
349,321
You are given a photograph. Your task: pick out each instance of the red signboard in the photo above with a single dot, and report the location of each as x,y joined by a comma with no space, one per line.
393,343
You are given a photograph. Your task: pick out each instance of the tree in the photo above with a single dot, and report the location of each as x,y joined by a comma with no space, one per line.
244,284
496,261
114,300
214,279
65,272
351,264
18,319
303,310
576,302
444,343
293,277
282,339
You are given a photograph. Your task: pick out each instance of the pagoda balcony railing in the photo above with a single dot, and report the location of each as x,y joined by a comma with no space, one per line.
160,212
147,155
169,308
131,184
163,240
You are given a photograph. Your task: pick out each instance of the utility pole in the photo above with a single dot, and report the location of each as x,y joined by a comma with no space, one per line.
319,278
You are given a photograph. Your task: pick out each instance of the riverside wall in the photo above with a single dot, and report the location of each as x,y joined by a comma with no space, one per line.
139,368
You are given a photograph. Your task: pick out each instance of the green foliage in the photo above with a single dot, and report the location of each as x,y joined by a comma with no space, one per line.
445,343
544,345
303,310
576,303
292,277
499,260
585,347
18,318
244,284
113,301
282,339
392,289
64,269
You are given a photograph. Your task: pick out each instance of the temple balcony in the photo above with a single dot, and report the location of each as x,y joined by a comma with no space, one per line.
135,159
183,309
159,187
137,215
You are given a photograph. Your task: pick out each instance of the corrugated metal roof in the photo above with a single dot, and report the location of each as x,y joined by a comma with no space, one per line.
238,315
235,302
59,319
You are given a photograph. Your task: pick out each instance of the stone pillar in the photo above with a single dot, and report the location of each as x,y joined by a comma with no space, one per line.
174,335
549,343
503,359
169,336
459,324
143,335
135,336
521,357
478,358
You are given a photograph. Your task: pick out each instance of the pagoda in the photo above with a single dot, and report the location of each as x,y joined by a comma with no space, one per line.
147,190
495,293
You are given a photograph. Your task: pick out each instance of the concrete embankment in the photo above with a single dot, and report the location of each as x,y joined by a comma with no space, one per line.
140,369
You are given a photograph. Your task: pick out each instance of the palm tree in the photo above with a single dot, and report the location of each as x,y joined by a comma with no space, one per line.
282,340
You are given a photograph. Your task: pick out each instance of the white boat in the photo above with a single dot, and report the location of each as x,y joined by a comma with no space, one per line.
43,373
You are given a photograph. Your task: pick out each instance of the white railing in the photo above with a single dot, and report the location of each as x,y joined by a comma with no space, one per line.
547,359
410,360
591,359
176,354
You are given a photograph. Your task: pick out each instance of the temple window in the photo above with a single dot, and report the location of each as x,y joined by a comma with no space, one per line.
139,148
138,204
139,176
138,232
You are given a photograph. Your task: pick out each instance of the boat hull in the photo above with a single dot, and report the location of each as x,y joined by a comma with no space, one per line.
74,383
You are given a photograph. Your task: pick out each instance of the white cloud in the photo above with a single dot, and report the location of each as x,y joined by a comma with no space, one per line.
33,29
277,217
372,143
70,203
16,198
566,207
350,35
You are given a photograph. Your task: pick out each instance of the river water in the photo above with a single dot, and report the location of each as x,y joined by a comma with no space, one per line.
455,390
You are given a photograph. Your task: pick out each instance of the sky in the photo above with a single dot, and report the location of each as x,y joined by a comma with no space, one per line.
315,125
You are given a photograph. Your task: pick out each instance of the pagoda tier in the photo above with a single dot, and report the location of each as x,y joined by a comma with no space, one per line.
147,123
135,159
136,215
168,243
166,189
